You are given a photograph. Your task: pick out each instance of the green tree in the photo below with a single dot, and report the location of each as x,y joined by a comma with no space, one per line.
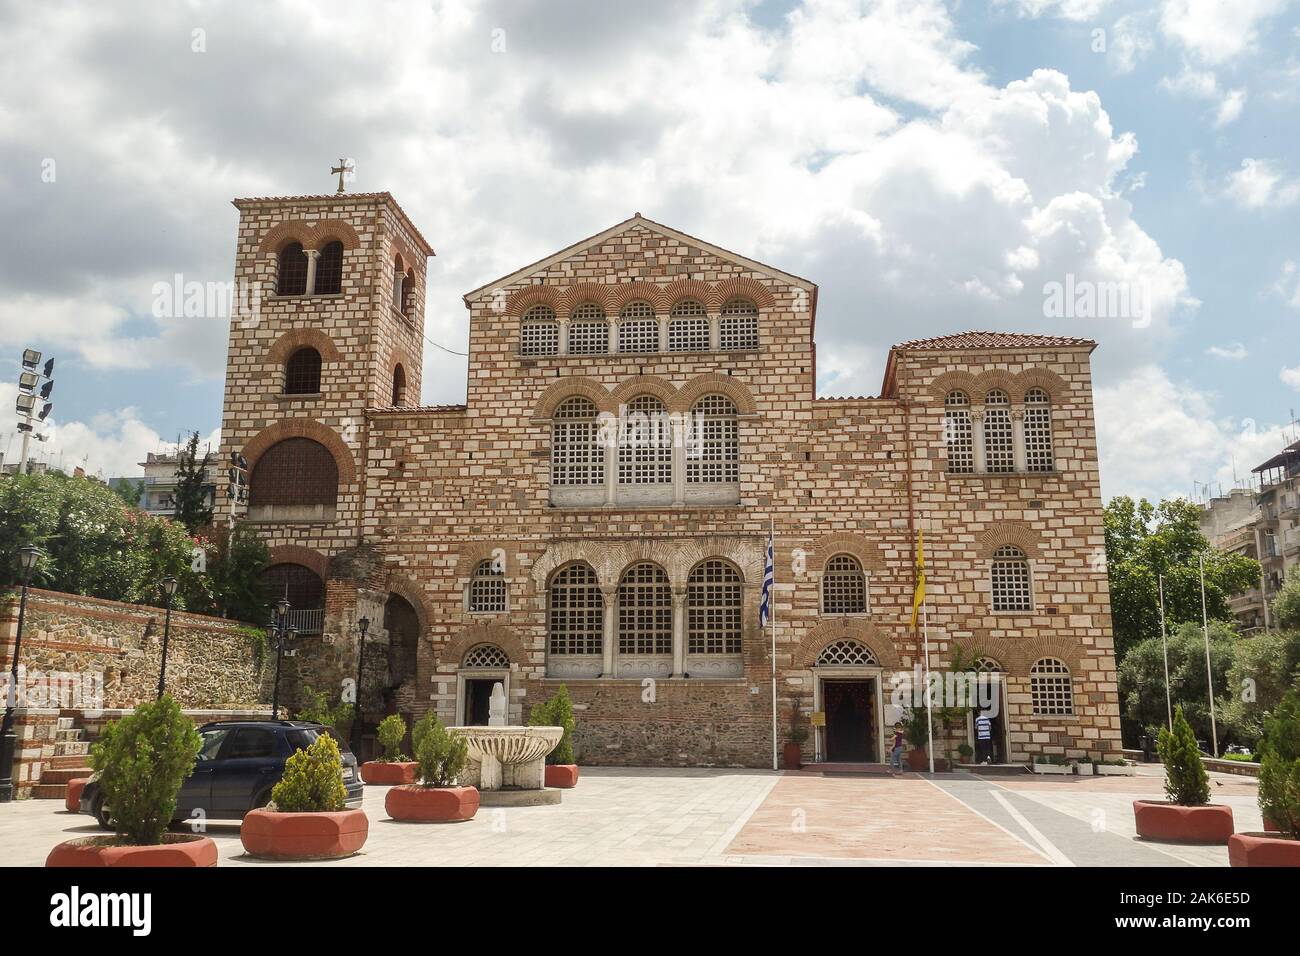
313,780
1142,679
557,711
192,508
236,558
1186,782
130,490
442,756
1279,770
1263,668
392,731
1286,606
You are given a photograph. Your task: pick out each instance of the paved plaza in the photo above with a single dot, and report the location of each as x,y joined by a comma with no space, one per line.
634,817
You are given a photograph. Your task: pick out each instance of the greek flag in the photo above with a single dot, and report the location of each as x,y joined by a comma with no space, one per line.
769,575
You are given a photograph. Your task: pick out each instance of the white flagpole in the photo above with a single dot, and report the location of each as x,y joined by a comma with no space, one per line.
929,712
1164,641
771,620
1209,676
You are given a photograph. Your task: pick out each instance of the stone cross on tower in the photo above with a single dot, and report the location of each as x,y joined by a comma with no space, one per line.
342,168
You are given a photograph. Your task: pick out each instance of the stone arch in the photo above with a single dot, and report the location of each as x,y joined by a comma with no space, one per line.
475,552
1016,533
1024,656
521,300
867,552
984,645
701,292
864,632
630,388
956,382
1055,387
297,554
746,555
295,339
398,249
625,292
405,588
564,388
740,287
311,235
582,292
453,651
712,383
999,379
560,553
302,428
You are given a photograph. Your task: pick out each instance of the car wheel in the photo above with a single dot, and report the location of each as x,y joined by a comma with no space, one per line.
103,813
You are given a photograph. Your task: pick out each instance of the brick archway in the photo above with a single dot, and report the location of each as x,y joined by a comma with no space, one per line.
453,652
1016,533
1024,656
302,428
412,594
864,632
297,554
564,388
311,235
524,299
295,339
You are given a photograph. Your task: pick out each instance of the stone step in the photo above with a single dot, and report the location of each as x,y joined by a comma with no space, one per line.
50,791
53,775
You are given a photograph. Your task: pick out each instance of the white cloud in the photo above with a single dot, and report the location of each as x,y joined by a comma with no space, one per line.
1217,31
1234,352
1130,42
1204,85
1259,184
1287,286
1066,9
1291,376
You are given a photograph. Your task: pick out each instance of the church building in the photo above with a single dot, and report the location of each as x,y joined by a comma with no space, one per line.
640,412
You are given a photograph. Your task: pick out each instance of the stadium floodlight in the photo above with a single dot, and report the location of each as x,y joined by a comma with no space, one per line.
31,358
27,381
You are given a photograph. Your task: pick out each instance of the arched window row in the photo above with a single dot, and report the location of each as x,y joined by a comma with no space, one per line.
639,329
996,437
310,271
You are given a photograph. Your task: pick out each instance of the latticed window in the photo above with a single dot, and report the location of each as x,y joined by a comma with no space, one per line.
296,471
688,327
576,455
588,330
487,589
957,433
303,586
987,665
638,329
302,372
329,269
540,333
486,656
1038,431
712,445
713,614
846,653
1050,689
999,453
576,611
399,385
291,278
844,587
1010,580
645,443
738,328
645,611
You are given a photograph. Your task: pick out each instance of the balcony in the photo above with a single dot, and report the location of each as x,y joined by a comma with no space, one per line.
306,620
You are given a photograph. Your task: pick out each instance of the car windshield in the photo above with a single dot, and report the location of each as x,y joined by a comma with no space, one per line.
211,741
300,738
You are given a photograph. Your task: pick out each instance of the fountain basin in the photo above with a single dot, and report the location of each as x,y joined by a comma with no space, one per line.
508,758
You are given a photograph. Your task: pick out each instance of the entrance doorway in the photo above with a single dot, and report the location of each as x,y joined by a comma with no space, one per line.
851,720
478,696
993,690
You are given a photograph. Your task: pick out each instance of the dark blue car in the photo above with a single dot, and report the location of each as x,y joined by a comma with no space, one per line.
239,762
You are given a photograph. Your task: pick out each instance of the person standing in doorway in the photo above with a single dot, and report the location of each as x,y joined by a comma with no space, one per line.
896,752
984,738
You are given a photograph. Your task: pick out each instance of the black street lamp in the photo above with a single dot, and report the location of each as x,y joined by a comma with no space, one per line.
363,625
169,589
27,558
281,634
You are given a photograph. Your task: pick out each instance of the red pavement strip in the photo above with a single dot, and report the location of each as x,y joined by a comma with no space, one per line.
906,819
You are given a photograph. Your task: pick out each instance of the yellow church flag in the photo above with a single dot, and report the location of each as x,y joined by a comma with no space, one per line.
919,597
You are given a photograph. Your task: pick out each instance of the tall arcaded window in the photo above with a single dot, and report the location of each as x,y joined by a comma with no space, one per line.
999,453
638,329
329,269
576,455
302,372
712,445
539,334
645,611
688,327
844,586
487,589
713,609
1050,689
588,330
1009,580
738,329
399,385
645,447
1038,431
575,611
292,273
957,433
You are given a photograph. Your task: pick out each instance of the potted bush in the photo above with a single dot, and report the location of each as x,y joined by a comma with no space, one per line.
795,736
916,732
307,818
1051,764
1083,767
966,752
1187,815
1279,793
142,760
436,798
1116,767
393,767
561,767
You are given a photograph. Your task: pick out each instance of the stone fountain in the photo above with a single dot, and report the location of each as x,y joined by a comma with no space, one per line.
508,763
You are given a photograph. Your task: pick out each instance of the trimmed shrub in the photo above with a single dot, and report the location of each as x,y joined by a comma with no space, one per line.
1186,782
392,731
442,756
312,781
142,761
556,712
1279,766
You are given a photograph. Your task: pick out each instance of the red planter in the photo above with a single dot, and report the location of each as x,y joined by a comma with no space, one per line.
395,773
432,804
72,801
1263,849
303,836
792,756
919,761
1157,820
561,775
1271,826
177,849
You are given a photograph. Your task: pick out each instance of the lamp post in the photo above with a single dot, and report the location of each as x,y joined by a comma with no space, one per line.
169,589
27,558
363,625
278,629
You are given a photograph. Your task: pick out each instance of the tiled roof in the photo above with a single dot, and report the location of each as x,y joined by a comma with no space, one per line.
340,197
416,409
991,340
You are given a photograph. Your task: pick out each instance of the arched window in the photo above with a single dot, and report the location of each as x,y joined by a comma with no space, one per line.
957,433
846,653
645,611
485,657
487,589
999,454
638,329
403,282
688,327
1009,580
575,611
294,472
302,372
1050,688
576,455
539,334
588,330
292,274
738,328
844,586
1038,431
987,665
399,385
303,586
713,609
645,443
329,269
712,442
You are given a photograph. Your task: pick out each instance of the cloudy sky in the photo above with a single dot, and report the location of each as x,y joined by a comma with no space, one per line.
932,166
